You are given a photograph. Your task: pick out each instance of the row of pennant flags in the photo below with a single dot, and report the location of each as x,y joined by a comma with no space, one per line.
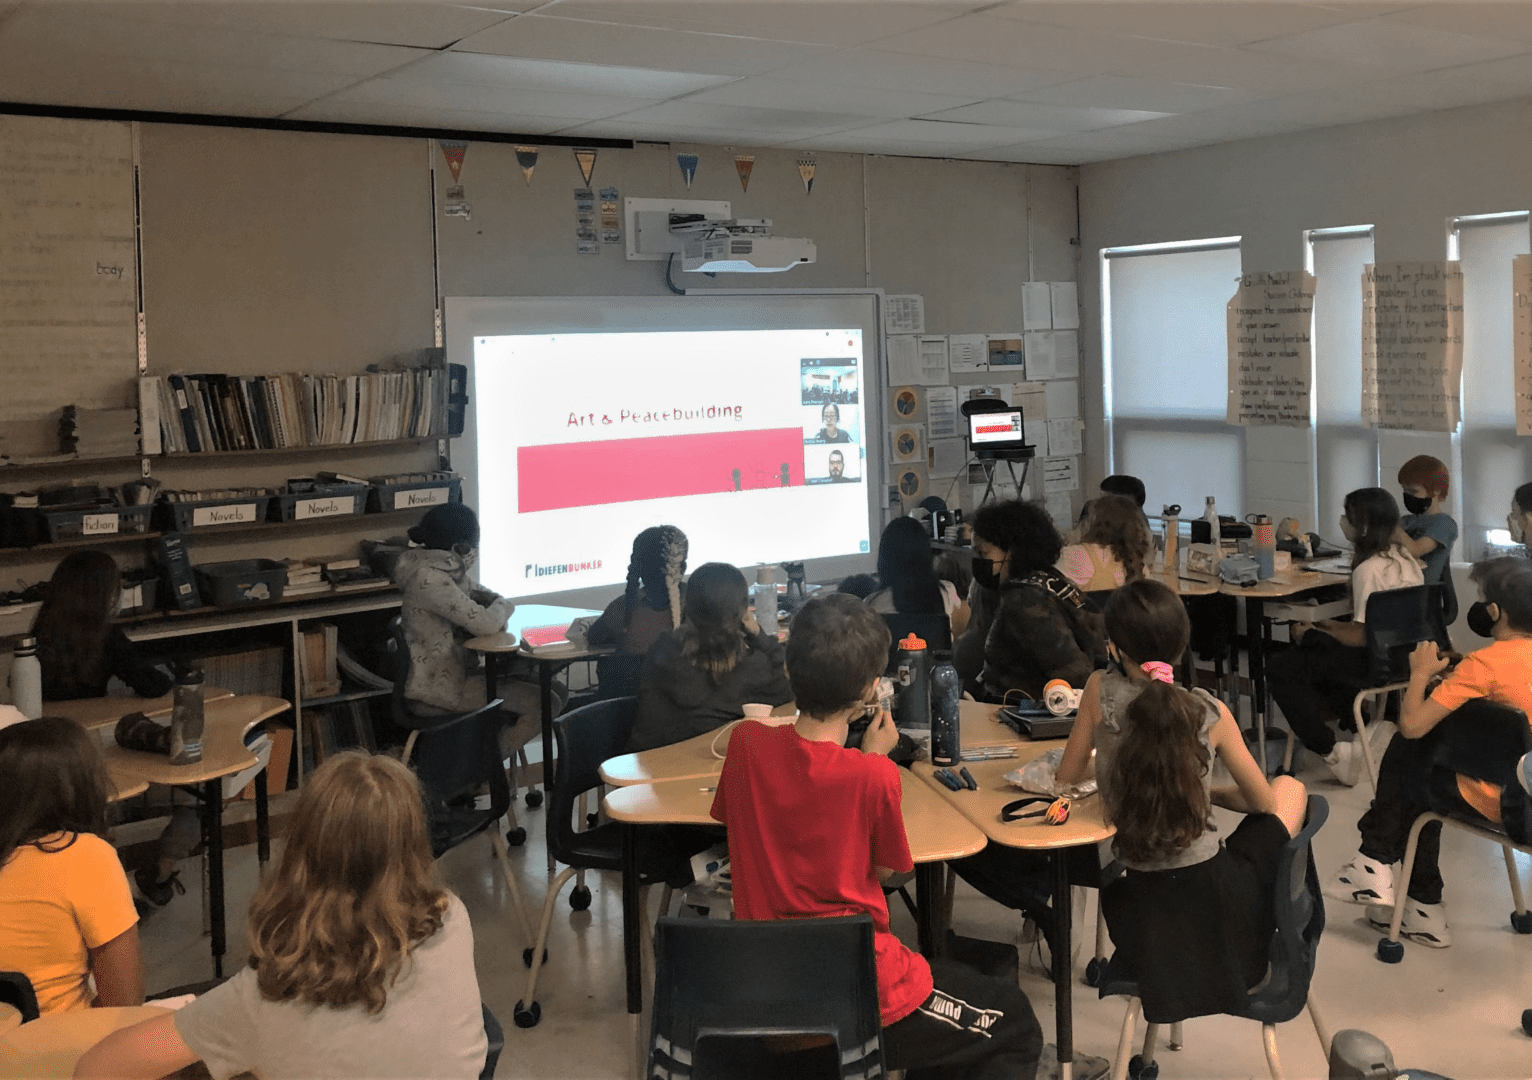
454,150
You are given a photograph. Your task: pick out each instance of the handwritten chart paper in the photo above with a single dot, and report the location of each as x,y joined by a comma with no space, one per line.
1270,352
1521,342
67,280
1412,345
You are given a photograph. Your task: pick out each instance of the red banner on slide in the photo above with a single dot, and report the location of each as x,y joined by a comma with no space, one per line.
632,470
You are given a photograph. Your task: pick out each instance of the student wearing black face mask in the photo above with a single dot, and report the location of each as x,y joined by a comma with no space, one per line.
1409,784
1519,520
1425,530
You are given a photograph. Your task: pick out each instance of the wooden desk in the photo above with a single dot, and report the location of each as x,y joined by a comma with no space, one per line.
692,757
10,1017
94,714
1185,583
1086,825
935,834
549,660
48,1047
224,753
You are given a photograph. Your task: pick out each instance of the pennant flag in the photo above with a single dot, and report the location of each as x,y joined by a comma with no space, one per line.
688,163
526,157
453,150
743,163
806,166
586,156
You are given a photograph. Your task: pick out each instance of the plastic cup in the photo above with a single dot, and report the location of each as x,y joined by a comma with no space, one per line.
756,711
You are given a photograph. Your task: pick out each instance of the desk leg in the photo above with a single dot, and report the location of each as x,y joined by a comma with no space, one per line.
545,689
262,821
1258,632
1063,953
212,817
929,894
632,921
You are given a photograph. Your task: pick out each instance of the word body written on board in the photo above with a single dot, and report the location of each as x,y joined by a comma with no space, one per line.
1270,351
1412,345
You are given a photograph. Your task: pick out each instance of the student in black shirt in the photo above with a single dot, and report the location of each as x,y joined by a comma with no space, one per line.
78,648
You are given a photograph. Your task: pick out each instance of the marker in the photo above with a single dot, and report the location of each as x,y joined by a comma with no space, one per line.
948,779
973,785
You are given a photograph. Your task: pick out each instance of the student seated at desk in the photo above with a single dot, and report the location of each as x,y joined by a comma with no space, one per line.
1129,487
1519,521
1115,546
1043,627
649,607
361,964
814,827
442,608
1410,785
1320,675
699,676
1188,892
66,913
78,647
1426,531
907,572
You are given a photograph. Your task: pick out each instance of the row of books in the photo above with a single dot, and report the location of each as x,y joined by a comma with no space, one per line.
197,413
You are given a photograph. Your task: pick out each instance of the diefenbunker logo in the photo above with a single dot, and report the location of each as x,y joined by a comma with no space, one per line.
537,570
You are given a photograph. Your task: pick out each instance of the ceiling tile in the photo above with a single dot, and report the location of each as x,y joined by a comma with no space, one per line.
1435,90
1490,20
383,22
1393,45
1120,92
828,23
1201,23
364,112
879,70
1516,71
516,72
741,118
546,38
659,131
952,135
1023,114
851,144
1262,72
770,91
493,100
1008,41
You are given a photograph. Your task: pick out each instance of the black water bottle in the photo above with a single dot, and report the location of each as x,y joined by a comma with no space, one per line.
912,693
946,725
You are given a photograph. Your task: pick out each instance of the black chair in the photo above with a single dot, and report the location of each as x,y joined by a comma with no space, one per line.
726,991
586,737
1484,741
1300,917
495,1035
457,757
16,990
934,630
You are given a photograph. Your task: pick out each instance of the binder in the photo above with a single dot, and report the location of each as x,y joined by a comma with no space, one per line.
186,410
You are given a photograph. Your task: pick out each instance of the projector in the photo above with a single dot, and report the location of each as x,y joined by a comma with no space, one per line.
746,253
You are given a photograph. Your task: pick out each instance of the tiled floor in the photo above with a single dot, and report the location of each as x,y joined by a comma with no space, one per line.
1454,1011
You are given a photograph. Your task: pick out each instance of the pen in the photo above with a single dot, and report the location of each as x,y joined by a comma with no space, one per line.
973,785
707,789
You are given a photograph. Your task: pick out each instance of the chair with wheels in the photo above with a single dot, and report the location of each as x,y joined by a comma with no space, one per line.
731,997
1484,741
1397,621
16,991
585,737
458,760
1300,917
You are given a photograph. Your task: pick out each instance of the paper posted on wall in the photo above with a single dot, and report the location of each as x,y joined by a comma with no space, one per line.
1063,399
1036,306
967,352
941,412
1066,308
933,360
1066,354
947,457
903,359
1041,363
1065,436
904,314
1060,474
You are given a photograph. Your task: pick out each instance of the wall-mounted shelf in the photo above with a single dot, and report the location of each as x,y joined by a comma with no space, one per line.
288,451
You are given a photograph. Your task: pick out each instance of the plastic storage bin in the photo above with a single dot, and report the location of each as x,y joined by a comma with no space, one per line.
77,524
414,496
188,516
324,501
244,581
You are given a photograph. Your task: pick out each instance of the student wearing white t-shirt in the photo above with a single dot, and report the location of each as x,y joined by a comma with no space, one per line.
1328,662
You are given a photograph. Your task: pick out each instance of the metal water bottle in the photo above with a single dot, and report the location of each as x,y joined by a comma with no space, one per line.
27,679
912,695
1210,515
946,730
1172,520
765,596
1265,546
186,718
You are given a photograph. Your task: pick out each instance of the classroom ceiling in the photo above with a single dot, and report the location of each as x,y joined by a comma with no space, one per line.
1045,82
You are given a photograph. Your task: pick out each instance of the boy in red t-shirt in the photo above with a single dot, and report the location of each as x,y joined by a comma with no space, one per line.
814,827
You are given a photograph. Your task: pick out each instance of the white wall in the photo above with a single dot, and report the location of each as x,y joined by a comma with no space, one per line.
1406,176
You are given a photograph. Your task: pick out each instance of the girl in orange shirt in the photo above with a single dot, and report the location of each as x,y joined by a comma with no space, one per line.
66,913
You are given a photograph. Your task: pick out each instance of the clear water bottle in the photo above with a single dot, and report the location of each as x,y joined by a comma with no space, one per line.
946,731
765,596
186,719
27,679
1210,515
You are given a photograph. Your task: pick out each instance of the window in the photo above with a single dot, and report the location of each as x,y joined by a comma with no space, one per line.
1493,459
1346,452
1165,345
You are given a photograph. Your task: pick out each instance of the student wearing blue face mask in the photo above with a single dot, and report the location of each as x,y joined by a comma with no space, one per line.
1410,783
1426,531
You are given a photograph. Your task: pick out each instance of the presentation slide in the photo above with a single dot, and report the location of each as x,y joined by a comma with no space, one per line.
750,441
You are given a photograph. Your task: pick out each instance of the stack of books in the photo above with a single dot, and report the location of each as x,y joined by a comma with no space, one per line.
198,413
350,575
98,432
304,578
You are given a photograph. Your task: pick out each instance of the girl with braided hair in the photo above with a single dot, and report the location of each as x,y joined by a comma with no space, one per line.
650,606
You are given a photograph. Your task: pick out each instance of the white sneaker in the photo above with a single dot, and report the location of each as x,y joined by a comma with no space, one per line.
1424,924
1346,763
1363,881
